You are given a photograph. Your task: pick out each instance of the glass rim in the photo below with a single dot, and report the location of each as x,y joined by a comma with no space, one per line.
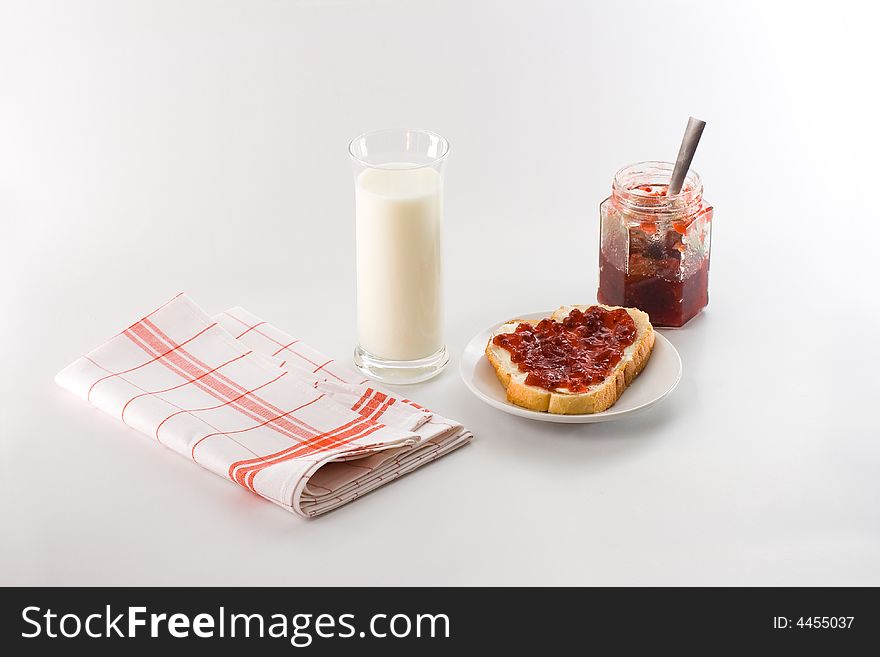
444,143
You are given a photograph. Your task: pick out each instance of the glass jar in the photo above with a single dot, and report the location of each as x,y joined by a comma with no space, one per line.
653,247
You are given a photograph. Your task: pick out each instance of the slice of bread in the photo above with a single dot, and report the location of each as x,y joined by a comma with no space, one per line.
598,397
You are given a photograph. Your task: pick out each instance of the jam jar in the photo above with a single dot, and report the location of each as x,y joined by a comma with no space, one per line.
653,246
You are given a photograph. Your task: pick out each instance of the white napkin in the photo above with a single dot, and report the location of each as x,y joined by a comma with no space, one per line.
257,406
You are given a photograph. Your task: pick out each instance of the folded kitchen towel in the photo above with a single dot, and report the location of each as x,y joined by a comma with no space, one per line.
255,405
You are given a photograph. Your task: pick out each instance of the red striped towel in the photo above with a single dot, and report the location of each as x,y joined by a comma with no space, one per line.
253,404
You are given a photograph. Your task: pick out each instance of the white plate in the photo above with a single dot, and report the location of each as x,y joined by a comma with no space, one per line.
658,379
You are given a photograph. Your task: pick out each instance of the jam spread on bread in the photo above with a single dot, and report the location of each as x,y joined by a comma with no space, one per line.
574,354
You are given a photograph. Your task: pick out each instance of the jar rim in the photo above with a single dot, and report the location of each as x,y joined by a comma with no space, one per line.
628,180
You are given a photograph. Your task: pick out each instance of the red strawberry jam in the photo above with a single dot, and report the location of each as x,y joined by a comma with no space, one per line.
574,354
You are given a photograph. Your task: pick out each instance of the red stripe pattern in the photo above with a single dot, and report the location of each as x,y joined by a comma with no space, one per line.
258,406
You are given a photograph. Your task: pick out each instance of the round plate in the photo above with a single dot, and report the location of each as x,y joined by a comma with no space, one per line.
658,379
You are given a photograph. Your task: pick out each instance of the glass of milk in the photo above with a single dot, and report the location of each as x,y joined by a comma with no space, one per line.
399,217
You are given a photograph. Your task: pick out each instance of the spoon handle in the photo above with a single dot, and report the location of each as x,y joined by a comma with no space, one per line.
689,143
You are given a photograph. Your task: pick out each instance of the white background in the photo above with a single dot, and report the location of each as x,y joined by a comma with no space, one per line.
148,148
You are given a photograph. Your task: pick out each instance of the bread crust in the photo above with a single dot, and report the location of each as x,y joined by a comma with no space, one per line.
600,397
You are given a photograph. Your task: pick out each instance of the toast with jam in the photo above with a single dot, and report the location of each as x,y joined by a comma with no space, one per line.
578,360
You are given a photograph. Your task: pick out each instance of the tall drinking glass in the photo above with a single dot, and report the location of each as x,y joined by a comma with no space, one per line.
399,215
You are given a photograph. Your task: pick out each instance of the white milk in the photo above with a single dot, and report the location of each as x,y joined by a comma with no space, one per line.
399,214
